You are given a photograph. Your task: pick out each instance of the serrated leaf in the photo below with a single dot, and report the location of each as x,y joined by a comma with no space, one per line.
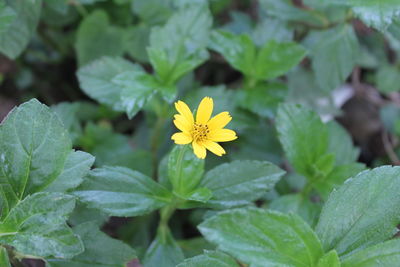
362,212
378,14
338,46
36,152
341,144
240,182
138,87
304,138
264,98
36,226
97,38
100,250
121,191
386,254
264,237
271,60
185,170
297,204
96,80
163,251
272,29
179,46
210,258
15,38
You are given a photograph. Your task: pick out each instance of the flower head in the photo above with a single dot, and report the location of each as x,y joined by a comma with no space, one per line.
204,132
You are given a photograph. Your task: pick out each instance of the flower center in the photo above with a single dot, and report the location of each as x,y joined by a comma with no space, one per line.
200,132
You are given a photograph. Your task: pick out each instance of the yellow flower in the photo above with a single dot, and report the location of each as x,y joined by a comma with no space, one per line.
203,133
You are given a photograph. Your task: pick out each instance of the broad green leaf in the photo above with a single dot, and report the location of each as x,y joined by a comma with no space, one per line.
330,259
4,260
271,29
36,226
269,61
341,144
240,182
304,138
7,16
210,258
264,98
179,46
96,80
153,12
97,38
67,112
100,250
138,39
121,191
336,178
387,79
15,37
362,212
36,152
138,87
286,10
163,251
378,14
263,238
298,204
386,254
195,246
338,46
185,170
76,167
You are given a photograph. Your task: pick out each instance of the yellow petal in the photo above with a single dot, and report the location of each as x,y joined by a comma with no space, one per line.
220,120
214,148
184,110
181,138
199,150
181,123
222,135
204,111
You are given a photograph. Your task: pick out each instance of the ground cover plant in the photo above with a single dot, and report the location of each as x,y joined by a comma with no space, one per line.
194,133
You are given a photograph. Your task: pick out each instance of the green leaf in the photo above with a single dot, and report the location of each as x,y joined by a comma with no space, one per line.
138,40
387,79
100,250
264,98
271,29
36,152
185,170
210,258
152,12
7,16
378,14
385,254
96,80
179,46
138,87
336,178
304,138
76,167
297,204
261,238
240,182
271,60
330,259
15,37
4,260
121,191
362,212
341,144
163,251
97,38
36,226
338,46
